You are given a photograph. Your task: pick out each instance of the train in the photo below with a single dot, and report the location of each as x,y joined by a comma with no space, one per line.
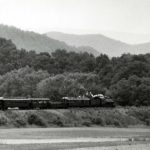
98,100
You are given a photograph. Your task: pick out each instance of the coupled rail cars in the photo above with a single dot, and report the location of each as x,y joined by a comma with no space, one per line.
46,103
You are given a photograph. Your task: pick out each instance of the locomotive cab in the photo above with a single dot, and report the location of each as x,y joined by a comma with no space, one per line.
97,100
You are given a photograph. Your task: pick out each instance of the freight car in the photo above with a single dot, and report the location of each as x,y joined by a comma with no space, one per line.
66,102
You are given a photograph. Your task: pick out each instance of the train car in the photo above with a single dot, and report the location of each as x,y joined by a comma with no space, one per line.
80,101
20,103
39,103
1,103
24,103
58,104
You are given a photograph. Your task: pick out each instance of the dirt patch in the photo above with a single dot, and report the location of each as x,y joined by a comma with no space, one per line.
52,141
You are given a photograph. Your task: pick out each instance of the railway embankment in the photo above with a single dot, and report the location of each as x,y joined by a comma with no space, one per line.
77,117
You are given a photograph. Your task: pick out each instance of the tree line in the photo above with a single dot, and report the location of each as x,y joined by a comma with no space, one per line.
27,73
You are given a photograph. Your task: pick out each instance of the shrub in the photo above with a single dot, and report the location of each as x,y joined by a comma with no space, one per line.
117,123
34,119
99,121
20,122
86,123
59,122
148,122
3,119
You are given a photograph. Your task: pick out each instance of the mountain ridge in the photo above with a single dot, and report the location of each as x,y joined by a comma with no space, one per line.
30,40
91,43
100,42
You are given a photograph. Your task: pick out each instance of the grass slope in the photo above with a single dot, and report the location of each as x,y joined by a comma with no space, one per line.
118,117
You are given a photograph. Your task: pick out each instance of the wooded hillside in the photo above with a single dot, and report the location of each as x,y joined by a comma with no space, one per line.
27,73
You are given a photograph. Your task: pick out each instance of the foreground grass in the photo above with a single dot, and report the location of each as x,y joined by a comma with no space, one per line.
120,147
80,146
77,117
61,133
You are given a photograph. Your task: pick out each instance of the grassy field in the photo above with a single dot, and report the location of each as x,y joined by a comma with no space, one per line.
54,133
72,133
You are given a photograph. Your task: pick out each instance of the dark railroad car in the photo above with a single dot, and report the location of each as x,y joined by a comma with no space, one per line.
58,104
21,103
41,103
76,101
1,103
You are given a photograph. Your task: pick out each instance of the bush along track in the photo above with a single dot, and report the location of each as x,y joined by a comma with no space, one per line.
116,117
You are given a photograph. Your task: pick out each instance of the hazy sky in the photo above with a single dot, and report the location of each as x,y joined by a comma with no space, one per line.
127,20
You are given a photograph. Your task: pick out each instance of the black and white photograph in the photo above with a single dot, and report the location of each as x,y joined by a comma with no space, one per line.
74,74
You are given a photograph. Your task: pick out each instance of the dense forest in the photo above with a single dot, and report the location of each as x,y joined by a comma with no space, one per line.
29,74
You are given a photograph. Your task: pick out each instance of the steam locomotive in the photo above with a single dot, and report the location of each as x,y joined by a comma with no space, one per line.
46,103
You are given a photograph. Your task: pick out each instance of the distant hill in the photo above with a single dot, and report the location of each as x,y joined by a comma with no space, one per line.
143,47
100,42
38,42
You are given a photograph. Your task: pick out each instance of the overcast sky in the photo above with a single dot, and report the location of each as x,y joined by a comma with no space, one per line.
127,20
